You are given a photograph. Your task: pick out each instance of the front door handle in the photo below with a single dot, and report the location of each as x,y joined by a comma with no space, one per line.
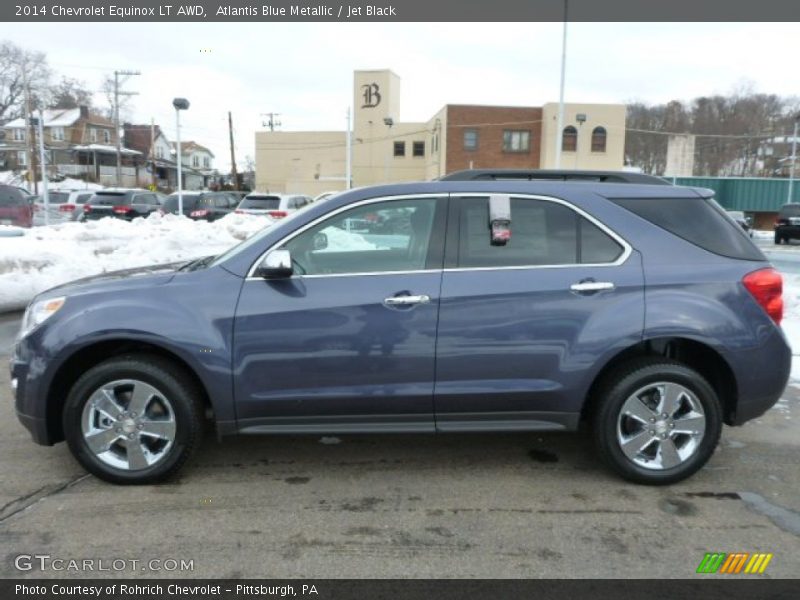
584,287
407,300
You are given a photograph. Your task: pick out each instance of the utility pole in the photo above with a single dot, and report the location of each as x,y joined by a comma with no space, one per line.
794,158
117,94
272,120
153,153
31,152
233,156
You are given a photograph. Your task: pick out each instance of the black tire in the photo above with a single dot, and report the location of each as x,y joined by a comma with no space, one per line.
778,239
619,385
182,393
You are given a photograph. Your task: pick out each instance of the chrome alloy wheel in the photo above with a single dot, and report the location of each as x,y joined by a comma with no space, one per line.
128,424
661,425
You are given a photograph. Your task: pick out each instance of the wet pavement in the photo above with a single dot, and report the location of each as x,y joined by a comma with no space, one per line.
484,505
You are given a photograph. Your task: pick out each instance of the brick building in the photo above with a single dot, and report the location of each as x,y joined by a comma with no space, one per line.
386,149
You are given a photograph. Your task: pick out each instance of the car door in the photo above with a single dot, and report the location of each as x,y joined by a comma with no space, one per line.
347,343
523,325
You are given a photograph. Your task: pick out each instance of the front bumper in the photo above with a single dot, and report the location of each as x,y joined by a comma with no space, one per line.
31,410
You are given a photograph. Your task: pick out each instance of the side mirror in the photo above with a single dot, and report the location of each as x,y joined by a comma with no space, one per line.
276,265
320,242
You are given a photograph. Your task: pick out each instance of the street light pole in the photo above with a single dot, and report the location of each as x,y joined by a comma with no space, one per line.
560,121
179,104
794,157
43,168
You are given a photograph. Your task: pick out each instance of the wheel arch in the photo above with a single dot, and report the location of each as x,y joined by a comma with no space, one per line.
698,355
90,355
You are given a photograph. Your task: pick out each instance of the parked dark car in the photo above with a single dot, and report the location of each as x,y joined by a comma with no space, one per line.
787,225
202,206
120,203
745,222
16,206
642,310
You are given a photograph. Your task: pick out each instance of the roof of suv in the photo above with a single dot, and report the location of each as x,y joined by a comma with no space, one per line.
553,175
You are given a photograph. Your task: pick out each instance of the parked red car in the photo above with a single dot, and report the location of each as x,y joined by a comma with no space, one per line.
16,208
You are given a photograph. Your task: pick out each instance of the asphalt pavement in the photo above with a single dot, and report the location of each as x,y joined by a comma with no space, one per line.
484,505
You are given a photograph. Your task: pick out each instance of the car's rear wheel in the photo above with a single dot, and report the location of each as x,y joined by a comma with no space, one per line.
778,238
657,421
133,419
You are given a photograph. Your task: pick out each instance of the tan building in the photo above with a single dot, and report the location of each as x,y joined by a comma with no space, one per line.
388,150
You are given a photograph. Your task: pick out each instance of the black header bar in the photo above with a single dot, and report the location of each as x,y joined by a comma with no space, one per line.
396,10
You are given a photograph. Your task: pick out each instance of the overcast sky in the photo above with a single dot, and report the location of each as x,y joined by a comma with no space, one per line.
304,71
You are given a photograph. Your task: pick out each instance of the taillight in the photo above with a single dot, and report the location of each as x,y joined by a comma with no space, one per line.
199,213
121,210
87,208
277,214
66,207
766,286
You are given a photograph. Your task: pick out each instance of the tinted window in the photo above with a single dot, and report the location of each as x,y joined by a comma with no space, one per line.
189,202
261,202
110,199
700,221
542,233
596,247
81,198
379,237
11,197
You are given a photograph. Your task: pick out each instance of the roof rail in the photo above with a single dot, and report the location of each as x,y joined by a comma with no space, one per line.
553,175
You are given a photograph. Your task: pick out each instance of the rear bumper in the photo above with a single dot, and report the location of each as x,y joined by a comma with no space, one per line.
762,376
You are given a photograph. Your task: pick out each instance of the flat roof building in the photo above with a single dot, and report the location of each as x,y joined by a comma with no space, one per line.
388,150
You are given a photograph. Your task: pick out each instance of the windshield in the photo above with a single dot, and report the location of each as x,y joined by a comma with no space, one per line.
55,197
110,199
255,239
189,202
261,202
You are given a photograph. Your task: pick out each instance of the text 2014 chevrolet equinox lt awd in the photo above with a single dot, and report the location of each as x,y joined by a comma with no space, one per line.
486,306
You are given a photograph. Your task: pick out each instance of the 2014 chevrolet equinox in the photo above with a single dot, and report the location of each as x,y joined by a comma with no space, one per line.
447,306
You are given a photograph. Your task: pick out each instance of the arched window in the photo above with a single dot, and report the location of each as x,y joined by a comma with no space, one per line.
599,139
569,139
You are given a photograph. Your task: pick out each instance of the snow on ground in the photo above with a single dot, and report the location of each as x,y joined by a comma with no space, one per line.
44,257
48,256
791,318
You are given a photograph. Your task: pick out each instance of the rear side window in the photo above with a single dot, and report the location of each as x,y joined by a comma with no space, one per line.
700,221
542,233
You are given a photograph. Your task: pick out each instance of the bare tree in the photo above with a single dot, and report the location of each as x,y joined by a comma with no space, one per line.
16,64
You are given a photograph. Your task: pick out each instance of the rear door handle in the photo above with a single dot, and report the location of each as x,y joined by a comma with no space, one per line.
584,287
406,300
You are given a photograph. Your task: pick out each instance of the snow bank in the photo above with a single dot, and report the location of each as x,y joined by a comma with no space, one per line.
44,257
48,256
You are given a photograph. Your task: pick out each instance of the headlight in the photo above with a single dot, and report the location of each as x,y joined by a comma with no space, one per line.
38,312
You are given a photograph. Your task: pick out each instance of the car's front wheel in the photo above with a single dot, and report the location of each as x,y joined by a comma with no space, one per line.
657,421
133,419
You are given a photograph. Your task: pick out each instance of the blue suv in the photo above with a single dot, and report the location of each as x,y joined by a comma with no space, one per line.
448,306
